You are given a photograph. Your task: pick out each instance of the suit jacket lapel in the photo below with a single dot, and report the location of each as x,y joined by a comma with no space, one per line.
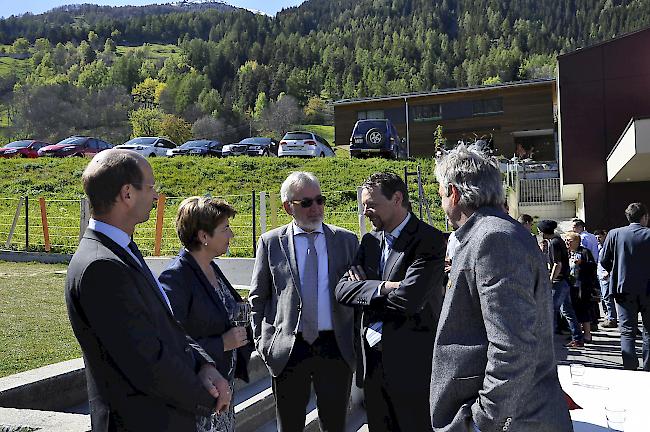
128,259
331,264
289,249
399,246
205,283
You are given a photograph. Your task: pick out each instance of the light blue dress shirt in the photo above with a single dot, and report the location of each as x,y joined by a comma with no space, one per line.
301,244
123,240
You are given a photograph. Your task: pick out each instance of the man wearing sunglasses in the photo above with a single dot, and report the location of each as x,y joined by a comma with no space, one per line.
303,335
396,281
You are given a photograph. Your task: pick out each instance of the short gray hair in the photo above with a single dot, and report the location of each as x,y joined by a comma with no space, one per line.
295,181
476,176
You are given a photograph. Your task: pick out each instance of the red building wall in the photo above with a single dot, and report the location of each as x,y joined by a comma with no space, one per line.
601,88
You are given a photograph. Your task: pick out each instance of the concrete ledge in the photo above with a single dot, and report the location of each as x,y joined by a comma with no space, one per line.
54,387
42,257
24,420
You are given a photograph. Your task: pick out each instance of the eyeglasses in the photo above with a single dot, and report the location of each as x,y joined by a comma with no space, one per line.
307,202
154,186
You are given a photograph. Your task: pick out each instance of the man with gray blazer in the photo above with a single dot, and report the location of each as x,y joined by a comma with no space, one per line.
303,335
493,360
626,255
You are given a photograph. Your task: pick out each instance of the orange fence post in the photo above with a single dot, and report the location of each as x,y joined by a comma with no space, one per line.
160,213
46,229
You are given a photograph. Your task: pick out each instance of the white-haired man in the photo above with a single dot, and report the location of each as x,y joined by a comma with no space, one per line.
493,356
304,336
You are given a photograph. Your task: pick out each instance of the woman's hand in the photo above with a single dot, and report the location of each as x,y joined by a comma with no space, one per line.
234,338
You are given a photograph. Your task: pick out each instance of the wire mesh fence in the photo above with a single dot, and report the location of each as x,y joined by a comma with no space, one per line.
63,219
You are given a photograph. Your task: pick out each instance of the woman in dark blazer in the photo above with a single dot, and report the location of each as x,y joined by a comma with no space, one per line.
203,300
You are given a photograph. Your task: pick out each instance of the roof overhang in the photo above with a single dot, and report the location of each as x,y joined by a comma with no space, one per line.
629,160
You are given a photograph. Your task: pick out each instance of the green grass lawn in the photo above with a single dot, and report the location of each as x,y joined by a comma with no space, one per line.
154,51
234,178
8,64
34,327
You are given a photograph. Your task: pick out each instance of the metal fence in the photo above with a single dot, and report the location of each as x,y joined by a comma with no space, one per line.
54,225
539,191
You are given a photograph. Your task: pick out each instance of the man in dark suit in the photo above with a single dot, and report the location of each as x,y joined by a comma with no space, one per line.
143,372
626,255
494,367
396,281
303,335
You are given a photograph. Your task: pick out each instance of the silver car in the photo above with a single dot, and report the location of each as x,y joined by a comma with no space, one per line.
149,146
304,144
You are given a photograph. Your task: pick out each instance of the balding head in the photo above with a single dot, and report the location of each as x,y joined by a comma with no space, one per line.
107,173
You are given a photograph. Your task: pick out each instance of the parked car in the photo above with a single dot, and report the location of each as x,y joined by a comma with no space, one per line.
75,146
304,144
22,148
376,137
253,146
199,147
235,149
149,146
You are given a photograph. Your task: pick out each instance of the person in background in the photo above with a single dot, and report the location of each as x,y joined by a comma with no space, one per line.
609,306
527,221
203,300
493,356
587,239
583,281
626,256
558,264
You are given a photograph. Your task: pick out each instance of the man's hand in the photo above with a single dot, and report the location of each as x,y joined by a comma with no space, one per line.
356,273
389,286
217,386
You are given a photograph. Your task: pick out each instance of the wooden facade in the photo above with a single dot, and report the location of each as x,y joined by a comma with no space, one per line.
509,112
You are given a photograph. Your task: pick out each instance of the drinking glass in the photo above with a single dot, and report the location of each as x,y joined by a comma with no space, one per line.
242,315
577,373
615,417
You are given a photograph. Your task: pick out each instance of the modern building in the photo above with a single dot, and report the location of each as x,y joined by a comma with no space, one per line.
604,129
519,116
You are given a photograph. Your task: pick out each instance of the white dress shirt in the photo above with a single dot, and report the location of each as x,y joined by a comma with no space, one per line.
301,244
123,240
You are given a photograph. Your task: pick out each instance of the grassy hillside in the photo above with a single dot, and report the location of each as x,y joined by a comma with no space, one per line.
153,51
235,179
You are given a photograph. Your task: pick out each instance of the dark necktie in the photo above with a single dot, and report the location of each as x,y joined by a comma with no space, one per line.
389,239
309,318
147,272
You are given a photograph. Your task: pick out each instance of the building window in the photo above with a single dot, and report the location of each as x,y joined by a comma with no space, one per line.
491,106
422,113
371,115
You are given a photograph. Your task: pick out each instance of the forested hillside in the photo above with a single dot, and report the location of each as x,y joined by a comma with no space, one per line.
234,65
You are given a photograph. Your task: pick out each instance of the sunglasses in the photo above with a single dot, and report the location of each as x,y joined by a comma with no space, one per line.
307,202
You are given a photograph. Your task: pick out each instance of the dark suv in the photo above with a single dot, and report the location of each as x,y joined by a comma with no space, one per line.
376,137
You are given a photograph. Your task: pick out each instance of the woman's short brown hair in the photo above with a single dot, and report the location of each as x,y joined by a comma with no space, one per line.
200,213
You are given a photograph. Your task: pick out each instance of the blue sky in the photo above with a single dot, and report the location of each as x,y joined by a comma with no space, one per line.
8,7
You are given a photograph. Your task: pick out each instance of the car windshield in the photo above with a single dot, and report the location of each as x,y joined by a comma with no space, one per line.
195,144
19,144
141,141
297,136
365,126
257,140
73,141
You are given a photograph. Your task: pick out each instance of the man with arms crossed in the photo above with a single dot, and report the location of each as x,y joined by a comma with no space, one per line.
396,281
303,335
493,361
143,372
